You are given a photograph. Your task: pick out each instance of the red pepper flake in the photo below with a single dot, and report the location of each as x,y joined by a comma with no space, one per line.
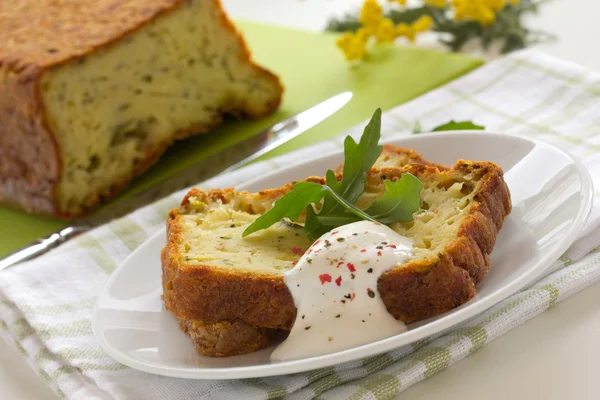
325,278
393,246
294,262
379,253
353,296
334,233
363,250
351,267
340,263
435,210
297,251
338,281
316,243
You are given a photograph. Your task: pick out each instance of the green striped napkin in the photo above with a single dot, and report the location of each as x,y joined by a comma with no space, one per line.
45,304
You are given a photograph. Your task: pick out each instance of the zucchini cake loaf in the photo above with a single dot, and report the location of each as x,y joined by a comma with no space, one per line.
92,92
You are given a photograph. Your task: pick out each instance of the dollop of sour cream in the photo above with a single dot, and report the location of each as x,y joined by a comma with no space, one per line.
334,287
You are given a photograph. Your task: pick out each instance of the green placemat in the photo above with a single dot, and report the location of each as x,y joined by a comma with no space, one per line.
311,69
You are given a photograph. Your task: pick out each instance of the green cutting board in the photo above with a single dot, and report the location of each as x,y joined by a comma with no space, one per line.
311,69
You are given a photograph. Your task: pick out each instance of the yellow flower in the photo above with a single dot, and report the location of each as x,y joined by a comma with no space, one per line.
368,30
482,11
375,25
345,40
423,23
437,3
363,34
486,16
353,45
410,31
406,31
385,31
370,13
402,29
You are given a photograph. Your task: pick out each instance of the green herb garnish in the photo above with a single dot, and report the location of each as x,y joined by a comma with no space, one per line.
400,199
450,126
398,203
457,126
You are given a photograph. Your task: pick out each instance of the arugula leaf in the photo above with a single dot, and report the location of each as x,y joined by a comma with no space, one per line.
290,205
449,126
313,227
325,221
358,160
302,196
457,126
399,201
348,205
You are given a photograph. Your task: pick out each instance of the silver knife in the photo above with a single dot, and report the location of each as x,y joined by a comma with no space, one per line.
225,161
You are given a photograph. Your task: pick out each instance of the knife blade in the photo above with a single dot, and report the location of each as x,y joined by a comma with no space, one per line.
221,162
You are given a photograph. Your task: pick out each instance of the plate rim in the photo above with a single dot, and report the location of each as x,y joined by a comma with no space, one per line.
449,320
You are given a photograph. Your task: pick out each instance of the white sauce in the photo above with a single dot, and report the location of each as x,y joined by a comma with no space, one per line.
334,286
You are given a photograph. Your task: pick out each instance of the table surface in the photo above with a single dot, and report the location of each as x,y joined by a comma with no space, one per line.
553,356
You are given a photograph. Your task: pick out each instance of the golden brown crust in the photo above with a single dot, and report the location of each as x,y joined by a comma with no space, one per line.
225,339
393,156
29,163
411,292
44,34
430,287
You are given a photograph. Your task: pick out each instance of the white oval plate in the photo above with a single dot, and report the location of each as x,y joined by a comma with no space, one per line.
552,197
